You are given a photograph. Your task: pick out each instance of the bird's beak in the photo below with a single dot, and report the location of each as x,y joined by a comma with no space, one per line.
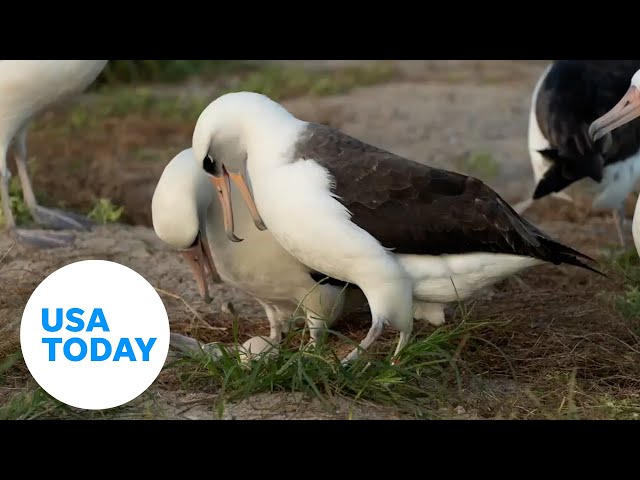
241,183
200,260
223,188
625,110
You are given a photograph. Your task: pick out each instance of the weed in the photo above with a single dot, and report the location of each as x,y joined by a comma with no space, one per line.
105,212
19,208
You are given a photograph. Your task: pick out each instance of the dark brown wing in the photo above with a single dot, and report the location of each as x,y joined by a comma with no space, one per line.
412,208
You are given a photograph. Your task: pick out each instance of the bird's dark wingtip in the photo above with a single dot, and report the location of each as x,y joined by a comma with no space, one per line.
581,264
571,256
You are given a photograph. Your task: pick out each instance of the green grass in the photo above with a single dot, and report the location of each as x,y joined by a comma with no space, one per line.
278,82
34,403
629,303
263,77
119,72
127,101
627,263
410,384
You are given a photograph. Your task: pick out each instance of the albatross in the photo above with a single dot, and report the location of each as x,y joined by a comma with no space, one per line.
27,88
398,229
569,95
626,110
186,216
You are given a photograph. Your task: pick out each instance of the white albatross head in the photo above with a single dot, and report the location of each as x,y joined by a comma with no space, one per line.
178,210
226,130
627,109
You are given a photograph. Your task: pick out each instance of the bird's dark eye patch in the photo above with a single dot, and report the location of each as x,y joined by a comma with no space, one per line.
211,166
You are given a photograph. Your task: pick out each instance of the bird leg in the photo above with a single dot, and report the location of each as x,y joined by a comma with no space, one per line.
391,303
275,321
317,329
51,218
618,218
374,332
6,202
35,238
402,342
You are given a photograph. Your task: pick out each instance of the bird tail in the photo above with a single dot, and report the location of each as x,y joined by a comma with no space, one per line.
560,253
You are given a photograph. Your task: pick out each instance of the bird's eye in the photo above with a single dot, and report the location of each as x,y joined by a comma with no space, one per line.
209,165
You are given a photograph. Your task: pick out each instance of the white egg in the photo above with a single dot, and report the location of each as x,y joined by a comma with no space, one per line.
253,348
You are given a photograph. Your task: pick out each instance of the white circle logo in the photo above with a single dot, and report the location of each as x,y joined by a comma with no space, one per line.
95,334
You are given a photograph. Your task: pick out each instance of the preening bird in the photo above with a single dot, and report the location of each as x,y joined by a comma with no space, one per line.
399,230
27,88
188,217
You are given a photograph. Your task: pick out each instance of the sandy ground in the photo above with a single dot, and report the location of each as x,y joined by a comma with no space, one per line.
441,113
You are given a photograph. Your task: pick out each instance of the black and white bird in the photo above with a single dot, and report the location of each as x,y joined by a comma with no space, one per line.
27,88
569,95
620,116
398,229
186,216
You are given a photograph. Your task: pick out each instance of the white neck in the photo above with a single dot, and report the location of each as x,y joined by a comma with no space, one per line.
269,144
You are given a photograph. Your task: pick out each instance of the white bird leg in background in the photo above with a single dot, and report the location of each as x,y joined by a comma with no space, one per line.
37,238
619,220
51,218
635,226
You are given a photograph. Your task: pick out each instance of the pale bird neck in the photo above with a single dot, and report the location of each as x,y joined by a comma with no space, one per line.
269,143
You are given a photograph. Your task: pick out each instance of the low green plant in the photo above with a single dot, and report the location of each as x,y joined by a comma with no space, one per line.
21,213
104,211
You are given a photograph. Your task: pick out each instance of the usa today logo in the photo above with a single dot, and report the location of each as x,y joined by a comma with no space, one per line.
95,334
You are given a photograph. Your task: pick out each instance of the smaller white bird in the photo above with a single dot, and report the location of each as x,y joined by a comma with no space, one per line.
27,88
186,217
626,110
178,210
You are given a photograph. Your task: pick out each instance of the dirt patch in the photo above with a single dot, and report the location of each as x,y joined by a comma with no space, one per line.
552,330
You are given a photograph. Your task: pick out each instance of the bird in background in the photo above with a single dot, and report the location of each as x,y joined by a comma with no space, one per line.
566,160
27,89
624,114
